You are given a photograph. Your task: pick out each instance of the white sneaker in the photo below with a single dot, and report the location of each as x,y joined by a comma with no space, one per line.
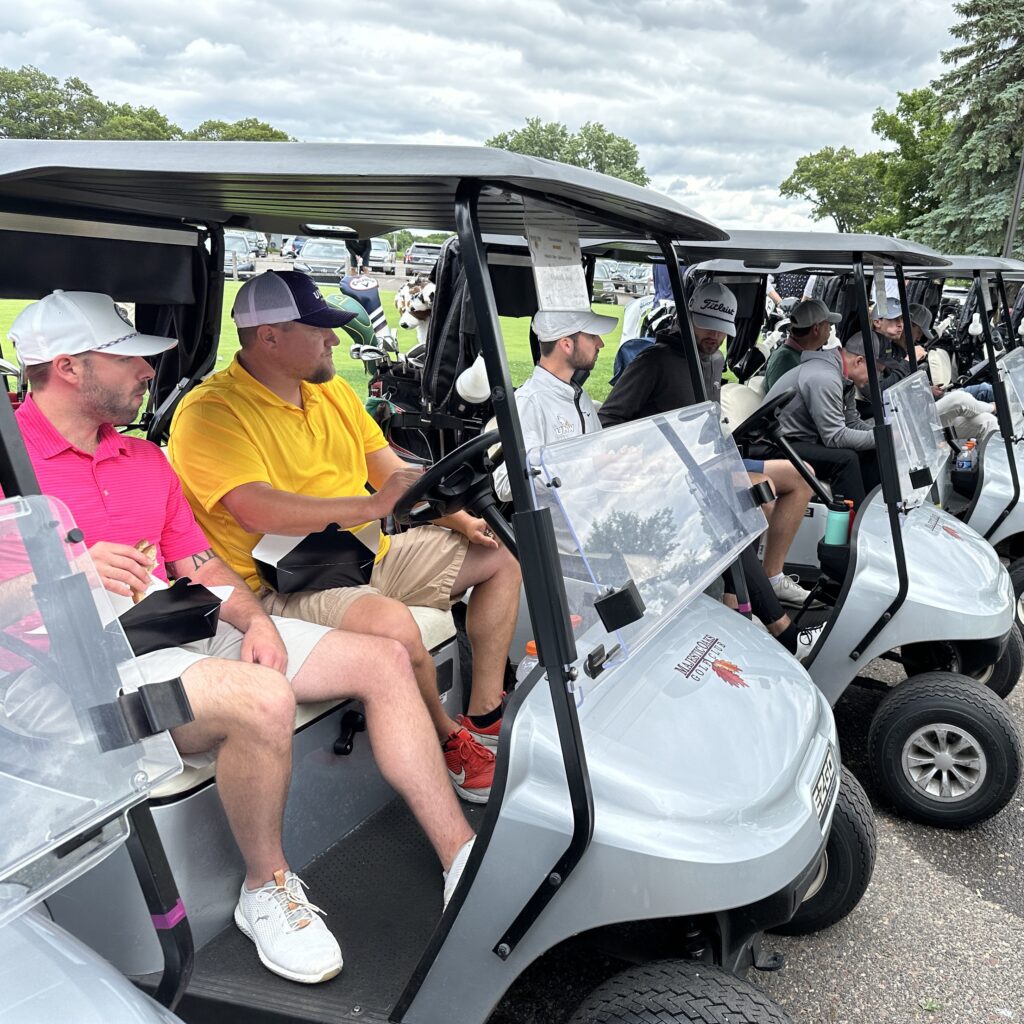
806,639
290,938
458,865
789,591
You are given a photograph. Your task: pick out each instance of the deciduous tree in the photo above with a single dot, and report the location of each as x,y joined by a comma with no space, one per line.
840,184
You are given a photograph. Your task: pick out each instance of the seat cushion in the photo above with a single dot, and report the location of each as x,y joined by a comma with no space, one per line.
436,627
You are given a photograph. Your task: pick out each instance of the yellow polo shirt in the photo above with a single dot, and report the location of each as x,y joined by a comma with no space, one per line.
231,430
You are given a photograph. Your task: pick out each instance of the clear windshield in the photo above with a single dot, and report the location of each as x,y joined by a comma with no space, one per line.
917,435
1012,369
663,502
67,768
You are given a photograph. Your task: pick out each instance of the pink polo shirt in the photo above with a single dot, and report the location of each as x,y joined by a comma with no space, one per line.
123,493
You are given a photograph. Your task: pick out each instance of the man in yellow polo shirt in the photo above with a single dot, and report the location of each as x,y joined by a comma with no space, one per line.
277,444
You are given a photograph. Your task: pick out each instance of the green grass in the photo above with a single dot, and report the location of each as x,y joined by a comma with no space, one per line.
515,331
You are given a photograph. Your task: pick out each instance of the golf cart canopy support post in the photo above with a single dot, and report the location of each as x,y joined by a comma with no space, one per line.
1001,398
538,553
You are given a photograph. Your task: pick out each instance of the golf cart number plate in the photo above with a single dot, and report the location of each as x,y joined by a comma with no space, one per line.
825,787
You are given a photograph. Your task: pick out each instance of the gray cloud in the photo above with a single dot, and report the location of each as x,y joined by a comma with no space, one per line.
720,96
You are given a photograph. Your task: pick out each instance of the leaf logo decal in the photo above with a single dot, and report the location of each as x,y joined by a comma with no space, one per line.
728,671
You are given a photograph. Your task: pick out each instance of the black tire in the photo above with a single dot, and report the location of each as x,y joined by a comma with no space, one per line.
930,701
1000,678
1004,675
1017,579
849,862
675,992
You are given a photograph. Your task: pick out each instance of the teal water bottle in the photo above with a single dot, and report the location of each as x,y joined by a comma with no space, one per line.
837,524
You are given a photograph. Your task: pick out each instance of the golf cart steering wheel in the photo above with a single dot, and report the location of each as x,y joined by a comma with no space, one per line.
462,479
756,425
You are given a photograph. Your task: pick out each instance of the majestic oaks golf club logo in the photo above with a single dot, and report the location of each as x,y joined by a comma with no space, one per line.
704,656
935,523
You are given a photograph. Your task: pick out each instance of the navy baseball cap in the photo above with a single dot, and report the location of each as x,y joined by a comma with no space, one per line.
278,296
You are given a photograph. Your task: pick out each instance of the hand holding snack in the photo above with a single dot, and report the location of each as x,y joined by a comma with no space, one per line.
148,550
123,569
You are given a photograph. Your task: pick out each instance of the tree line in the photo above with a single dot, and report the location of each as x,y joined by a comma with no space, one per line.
948,179
35,105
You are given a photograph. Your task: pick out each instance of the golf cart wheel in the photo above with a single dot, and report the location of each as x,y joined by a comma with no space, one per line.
1017,579
1000,677
846,865
675,992
943,750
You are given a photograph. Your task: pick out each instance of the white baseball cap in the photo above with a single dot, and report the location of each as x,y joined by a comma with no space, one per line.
550,326
70,323
713,307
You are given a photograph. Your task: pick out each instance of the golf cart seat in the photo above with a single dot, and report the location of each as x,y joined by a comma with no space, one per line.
738,402
436,627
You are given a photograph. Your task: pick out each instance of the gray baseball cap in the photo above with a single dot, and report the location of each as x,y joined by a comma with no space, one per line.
855,345
811,312
550,326
713,307
892,311
921,316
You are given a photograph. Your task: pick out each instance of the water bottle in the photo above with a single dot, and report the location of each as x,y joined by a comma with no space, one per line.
964,460
972,451
529,662
837,524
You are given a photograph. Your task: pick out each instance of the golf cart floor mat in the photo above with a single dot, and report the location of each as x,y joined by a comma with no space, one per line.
381,890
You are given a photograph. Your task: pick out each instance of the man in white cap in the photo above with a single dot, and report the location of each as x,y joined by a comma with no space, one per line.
810,324
87,368
278,444
551,405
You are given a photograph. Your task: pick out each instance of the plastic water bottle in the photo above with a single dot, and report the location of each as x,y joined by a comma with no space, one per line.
964,459
837,524
529,662
972,450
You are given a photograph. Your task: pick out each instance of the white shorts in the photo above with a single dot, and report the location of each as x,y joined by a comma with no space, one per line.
299,640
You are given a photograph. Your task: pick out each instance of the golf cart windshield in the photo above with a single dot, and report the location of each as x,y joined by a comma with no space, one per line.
663,502
920,445
1012,365
68,767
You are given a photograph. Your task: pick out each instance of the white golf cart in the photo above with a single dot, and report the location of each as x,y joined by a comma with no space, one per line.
667,786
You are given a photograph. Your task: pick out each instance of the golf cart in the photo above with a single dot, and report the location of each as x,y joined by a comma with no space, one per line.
661,794
942,748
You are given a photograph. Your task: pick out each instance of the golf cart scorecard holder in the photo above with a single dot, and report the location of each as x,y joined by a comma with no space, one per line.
70,768
663,504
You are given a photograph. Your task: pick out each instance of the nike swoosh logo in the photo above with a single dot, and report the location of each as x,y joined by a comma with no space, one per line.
458,779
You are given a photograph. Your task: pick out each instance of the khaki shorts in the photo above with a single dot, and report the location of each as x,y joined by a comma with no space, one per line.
419,569
299,640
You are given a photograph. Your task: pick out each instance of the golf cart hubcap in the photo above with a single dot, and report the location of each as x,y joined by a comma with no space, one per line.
944,762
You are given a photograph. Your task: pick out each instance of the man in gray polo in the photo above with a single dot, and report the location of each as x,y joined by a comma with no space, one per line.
821,420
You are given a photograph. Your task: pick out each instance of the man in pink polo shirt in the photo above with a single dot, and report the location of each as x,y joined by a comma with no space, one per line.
87,369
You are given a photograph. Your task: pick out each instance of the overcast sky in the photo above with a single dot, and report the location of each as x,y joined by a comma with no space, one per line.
720,96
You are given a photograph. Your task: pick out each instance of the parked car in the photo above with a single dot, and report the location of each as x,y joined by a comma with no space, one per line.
382,256
620,273
604,287
640,280
292,245
257,242
324,259
420,257
238,257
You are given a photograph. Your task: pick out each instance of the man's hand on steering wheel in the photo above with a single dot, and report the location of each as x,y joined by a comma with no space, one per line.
394,487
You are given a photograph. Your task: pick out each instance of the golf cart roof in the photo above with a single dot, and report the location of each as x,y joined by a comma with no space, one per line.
301,188
771,250
965,266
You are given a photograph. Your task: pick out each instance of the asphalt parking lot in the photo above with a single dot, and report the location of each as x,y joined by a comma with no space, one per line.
939,935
